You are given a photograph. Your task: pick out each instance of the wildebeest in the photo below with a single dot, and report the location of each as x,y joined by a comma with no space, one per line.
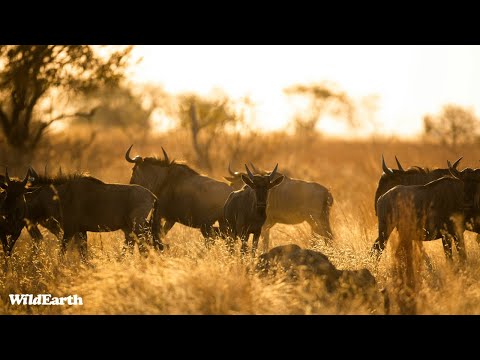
79,203
183,194
425,212
11,227
293,202
245,210
295,261
471,179
413,176
16,186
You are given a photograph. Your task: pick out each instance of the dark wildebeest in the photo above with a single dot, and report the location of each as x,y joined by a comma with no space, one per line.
425,212
245,210
293,202
184,195
413,176
14,187
294,260
471,179
10,231
79,203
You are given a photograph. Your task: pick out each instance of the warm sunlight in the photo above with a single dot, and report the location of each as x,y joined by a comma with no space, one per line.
228,180
410,80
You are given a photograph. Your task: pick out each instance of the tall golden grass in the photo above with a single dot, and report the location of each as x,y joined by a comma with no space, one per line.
188,279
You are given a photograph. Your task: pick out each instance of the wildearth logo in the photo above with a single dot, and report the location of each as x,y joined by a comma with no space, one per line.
44,299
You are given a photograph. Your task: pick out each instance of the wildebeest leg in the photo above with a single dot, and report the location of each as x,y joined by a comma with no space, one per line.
427,260
129,242
36,237
230,237
456,227
157,242
447,247
63,245
230,244
3,238
207,232
54,227
256,236
139,234
321,226
81,240
166,227
266,237
142,248
460,245
6,256
244,240
141,240
384,231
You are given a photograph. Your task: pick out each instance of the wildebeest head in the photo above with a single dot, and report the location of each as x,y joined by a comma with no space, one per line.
146,172
13,204
471,181
261,184
235,177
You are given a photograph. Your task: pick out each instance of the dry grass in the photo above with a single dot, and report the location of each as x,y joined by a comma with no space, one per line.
188,279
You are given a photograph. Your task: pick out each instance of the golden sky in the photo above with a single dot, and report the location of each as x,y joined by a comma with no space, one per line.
410,80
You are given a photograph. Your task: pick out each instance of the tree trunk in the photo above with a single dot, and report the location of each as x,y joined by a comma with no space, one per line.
203,159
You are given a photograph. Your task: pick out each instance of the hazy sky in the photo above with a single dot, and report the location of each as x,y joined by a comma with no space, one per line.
410,80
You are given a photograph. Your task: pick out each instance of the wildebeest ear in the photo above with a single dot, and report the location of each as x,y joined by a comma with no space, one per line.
276,182
247,181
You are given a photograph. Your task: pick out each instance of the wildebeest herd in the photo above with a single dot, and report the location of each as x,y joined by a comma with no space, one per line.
443,202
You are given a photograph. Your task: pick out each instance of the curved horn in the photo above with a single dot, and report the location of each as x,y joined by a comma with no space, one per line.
272,174
453,169
25,179
250,175
33,173
129,159
398,164
253,167
455,164
385,168
7,178
230,171
165,155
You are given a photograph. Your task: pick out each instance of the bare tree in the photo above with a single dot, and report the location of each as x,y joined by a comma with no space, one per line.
453,126
208,119
323,99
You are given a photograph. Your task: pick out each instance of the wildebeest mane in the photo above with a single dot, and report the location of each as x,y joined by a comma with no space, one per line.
412,170
62,179
167,163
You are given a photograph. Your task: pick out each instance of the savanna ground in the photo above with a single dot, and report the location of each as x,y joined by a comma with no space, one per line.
188,279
